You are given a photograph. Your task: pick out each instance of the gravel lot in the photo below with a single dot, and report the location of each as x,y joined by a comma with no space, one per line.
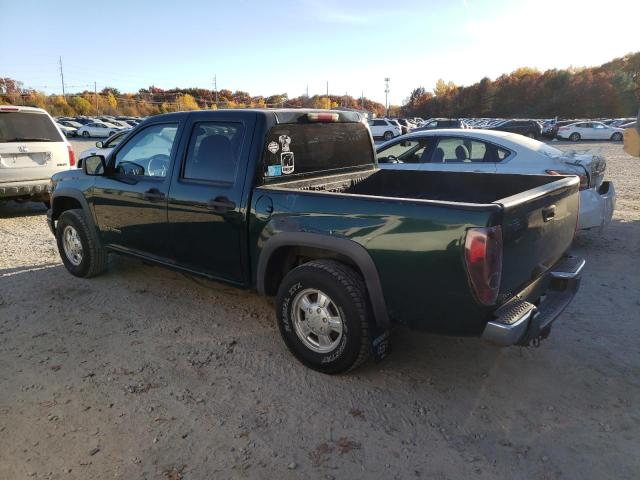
144,373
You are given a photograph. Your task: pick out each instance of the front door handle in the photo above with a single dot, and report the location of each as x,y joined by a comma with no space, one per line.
153,195
221,204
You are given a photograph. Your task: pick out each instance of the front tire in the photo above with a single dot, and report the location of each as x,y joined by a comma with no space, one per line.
574,137
388,135
85,134
323,312
616,137
80,249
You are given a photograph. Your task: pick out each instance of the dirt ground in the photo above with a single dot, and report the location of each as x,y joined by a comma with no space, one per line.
145,373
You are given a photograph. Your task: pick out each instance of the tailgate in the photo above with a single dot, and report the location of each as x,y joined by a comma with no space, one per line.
538,227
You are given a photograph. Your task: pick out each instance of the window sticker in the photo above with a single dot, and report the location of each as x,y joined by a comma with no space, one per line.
287,162
285,140
273,147
274,170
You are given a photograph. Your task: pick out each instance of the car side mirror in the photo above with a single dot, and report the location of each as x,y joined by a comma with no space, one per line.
99,144
94,165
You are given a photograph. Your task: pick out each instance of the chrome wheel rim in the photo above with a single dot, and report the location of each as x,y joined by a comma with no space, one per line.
72,245
317,320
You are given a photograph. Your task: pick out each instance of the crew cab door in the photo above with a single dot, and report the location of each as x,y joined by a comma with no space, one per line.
130,200
207,225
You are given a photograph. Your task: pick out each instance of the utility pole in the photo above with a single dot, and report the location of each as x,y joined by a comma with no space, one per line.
386,94
95,94
215,88
328,100
307,90
61,76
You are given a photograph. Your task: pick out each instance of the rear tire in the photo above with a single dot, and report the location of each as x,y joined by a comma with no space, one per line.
80,248
574,137
616,137
346,303
388,135
85,134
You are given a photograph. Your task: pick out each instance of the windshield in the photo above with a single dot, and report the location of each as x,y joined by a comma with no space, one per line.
27,127
293,149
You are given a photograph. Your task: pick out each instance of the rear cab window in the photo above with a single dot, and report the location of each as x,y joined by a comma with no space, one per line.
303,148
27,127
213,152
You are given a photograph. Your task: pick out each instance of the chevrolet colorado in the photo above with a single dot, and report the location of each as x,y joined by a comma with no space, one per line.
292,203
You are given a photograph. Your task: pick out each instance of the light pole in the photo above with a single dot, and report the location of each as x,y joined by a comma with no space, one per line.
386,94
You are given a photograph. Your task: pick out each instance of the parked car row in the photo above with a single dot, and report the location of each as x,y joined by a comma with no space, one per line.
573,130
101,126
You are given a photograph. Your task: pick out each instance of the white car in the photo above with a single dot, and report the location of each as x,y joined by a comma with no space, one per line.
32,148
491,151
103,148
68,131
590,131
98,129
384,128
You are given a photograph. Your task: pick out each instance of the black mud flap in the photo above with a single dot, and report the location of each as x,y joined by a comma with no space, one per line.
380,344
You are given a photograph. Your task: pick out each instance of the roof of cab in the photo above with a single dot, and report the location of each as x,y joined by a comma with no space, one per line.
277,115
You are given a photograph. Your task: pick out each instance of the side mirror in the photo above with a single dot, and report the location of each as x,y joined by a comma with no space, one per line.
94,165
99,144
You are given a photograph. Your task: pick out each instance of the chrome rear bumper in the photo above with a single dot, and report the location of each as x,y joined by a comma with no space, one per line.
524,319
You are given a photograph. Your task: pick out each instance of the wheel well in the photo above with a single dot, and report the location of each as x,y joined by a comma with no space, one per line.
286,258
62,204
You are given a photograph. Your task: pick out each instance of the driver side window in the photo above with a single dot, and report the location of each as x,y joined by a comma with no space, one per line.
148,152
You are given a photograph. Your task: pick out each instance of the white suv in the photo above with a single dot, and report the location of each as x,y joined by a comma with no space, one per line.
32,148
383,128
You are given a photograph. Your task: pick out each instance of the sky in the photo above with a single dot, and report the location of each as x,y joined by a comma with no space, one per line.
270,47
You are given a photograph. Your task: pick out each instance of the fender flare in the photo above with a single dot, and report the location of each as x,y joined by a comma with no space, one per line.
354,251
76,195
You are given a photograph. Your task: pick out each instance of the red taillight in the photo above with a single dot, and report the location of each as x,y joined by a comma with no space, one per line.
72,156
563,128
584,179
322,117
483,257
9,109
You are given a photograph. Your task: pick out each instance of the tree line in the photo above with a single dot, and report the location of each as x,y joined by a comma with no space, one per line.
154,100
609,90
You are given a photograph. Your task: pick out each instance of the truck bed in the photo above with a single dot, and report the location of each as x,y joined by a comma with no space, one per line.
407,212
458,187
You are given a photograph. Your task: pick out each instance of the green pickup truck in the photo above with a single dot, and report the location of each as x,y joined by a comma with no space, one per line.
292,203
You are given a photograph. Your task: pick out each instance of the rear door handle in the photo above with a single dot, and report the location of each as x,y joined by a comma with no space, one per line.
221,204
153,195
549,213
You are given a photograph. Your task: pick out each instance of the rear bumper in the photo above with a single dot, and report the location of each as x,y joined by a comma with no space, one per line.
529,315
596,206
27,188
